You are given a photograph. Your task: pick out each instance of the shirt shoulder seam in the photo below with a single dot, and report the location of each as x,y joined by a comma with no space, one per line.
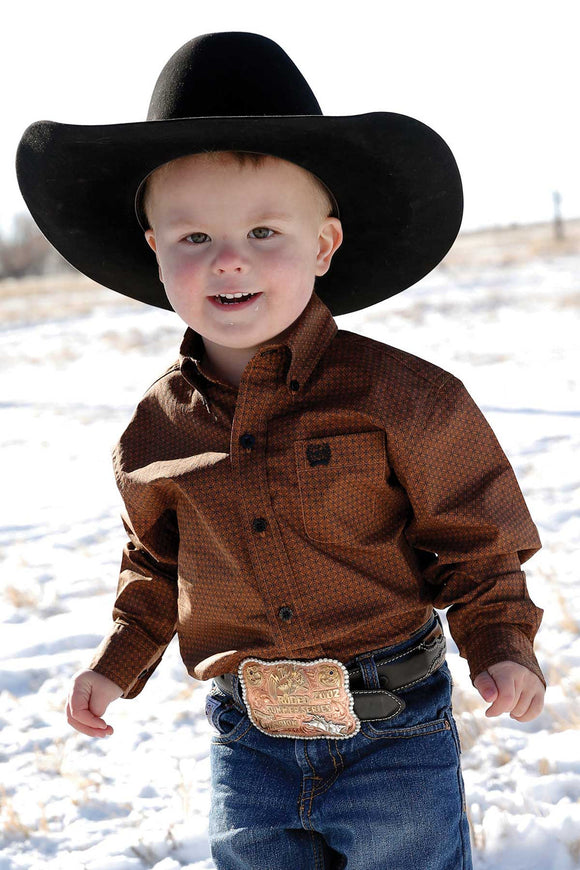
172,368
404,358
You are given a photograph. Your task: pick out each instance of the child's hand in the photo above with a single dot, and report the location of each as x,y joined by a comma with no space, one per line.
88,699
513,689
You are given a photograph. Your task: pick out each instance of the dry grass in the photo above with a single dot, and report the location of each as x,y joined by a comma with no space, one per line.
572,300
504,246
21,597
12,825
49,297
574,849
568,623
544,767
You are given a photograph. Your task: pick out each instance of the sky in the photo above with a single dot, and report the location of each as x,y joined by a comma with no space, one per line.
496,79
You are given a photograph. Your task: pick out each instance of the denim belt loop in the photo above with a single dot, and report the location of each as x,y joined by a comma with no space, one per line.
369,672
238,700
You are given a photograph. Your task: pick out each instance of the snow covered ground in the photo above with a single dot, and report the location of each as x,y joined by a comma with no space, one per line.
72,372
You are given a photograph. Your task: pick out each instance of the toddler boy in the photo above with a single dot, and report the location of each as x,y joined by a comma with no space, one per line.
298,498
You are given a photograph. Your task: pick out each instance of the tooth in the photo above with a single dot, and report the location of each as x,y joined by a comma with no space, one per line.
238,296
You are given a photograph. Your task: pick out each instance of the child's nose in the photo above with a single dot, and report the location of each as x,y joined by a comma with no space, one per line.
228,259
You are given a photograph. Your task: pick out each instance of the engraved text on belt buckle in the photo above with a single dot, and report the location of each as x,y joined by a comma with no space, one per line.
289,698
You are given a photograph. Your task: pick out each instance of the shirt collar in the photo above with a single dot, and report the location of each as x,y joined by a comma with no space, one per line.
306,341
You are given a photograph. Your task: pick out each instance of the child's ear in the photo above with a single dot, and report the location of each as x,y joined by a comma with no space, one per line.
150,238
329,240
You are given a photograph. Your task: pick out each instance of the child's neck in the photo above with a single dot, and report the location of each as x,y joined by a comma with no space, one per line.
226,363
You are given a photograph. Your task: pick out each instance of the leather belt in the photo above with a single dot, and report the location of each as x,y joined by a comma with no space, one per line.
398,671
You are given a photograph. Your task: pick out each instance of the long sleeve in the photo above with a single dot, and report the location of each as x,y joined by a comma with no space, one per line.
473,530
145,610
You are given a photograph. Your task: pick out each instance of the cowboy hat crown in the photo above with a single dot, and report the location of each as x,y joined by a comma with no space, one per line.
230,74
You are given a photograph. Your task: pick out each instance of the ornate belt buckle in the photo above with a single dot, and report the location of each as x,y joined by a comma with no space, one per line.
289,698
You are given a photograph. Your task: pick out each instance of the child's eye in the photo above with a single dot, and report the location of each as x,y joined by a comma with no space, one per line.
260,231
201,238
197,238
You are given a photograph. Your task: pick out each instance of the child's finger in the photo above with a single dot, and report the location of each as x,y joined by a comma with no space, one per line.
90,732
78,710
85,717
522,705
530,704
86,723
505,700
534,710
88,718
485,685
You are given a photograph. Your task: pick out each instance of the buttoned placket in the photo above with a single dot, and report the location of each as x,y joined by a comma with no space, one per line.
262,389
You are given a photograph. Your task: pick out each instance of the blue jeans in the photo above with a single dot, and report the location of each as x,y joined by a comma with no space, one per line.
390,798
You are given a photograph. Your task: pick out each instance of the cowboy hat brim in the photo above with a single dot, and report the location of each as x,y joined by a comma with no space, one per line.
395,180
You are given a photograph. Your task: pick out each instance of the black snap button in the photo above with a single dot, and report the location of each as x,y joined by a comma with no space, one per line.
259,524
294,386
285,613
247,441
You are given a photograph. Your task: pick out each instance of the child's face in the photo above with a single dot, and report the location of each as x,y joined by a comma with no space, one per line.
220,227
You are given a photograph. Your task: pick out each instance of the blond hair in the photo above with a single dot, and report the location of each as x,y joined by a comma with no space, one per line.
327,201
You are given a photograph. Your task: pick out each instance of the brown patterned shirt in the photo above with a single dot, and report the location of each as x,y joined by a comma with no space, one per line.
321,508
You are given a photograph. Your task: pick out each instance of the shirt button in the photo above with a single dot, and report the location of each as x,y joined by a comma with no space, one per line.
286,613
259,524
247,441
294,386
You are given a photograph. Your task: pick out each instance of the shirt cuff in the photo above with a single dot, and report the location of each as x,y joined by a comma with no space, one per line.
128,658
498,643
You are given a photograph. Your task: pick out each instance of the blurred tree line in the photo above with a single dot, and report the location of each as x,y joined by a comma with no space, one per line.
24,251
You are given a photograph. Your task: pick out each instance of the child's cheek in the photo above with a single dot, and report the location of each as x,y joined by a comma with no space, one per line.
291,263
182,273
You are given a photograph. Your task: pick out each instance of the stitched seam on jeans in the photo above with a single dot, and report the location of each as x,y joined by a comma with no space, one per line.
307,810
397,735
324,784
316,851
224,738
303,794
461,786
339,755
340,767
310,765
317,791
457,743
369,673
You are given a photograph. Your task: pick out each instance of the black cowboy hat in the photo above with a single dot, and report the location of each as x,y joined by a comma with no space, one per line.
395,180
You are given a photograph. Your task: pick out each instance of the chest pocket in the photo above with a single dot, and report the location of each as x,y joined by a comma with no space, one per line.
342,483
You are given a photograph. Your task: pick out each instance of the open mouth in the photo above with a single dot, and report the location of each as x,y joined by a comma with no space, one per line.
233,300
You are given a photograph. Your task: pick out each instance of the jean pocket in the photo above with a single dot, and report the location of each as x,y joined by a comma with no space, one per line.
224,716
427,704
383,729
